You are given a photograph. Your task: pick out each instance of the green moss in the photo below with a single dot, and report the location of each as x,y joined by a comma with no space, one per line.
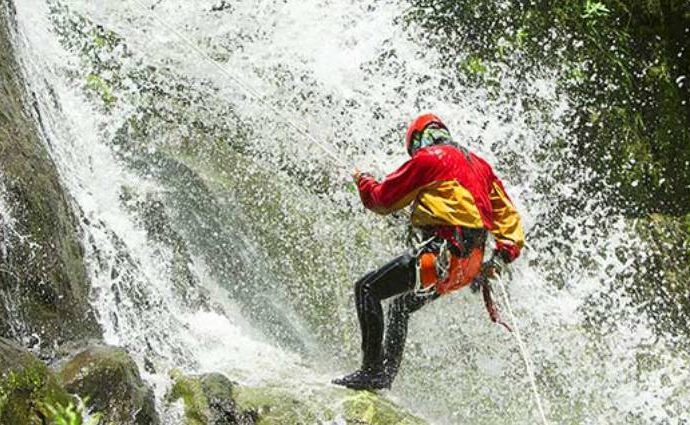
208,399
27,386
190,390
96,84
275,406
368,408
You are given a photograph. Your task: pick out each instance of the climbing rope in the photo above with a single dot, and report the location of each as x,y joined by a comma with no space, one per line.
525,354
250,91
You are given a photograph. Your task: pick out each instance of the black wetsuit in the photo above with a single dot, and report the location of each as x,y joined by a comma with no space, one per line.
397,278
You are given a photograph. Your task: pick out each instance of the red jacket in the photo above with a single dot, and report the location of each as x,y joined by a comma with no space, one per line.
448,187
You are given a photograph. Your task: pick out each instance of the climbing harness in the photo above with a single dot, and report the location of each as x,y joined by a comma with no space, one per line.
419,288
433,268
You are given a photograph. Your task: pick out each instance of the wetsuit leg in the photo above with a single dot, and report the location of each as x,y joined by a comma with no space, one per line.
398,317
394,278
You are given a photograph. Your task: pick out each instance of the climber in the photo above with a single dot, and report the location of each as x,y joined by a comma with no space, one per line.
456,199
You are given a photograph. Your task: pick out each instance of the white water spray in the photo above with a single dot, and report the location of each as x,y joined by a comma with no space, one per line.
355,77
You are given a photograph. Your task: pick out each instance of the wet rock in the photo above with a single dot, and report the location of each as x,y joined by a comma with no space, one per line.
42,274
274,406
208,399
368,408
27,387
213,399
109,378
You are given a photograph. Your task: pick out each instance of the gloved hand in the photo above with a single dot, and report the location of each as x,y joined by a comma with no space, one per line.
356,175
490,269
494,267
508,252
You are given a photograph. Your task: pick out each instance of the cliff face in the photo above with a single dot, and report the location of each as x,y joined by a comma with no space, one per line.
43,284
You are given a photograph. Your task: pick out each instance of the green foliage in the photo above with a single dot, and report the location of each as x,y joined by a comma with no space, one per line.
595,9
70,414
475,66
27,391
623,64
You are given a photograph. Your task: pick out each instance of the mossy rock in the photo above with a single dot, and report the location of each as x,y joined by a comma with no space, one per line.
275,406
364,407
208,400
109,380
27,387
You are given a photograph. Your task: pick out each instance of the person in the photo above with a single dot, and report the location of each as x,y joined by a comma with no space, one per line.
456,200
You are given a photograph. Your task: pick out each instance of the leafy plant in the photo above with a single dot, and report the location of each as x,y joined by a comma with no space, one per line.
71,414
595,9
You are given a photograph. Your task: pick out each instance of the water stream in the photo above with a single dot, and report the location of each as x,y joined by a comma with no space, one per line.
218,238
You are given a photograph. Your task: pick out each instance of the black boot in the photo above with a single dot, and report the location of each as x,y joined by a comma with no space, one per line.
365,379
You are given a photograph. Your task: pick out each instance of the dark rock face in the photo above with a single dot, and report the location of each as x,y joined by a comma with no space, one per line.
27,387
43,283
110,379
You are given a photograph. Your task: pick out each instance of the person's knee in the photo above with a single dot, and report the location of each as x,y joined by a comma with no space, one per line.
363,286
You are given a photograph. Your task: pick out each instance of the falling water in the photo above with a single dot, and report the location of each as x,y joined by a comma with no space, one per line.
219,237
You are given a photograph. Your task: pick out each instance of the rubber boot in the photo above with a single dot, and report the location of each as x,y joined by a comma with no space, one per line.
365,379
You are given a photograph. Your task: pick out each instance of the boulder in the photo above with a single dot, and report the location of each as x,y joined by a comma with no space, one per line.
212,399
108,379
28,389
208,400
275,406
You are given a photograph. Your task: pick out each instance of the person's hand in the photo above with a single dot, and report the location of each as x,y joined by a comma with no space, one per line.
494,267
356,174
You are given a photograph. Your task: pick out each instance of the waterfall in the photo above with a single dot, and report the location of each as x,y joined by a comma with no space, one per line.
218,237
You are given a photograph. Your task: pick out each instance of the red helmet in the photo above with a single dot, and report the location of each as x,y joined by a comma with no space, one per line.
418,125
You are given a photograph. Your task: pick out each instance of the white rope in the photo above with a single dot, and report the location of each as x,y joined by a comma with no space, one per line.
525,354
250,91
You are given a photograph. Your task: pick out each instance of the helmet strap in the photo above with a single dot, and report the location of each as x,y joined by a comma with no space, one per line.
430,136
